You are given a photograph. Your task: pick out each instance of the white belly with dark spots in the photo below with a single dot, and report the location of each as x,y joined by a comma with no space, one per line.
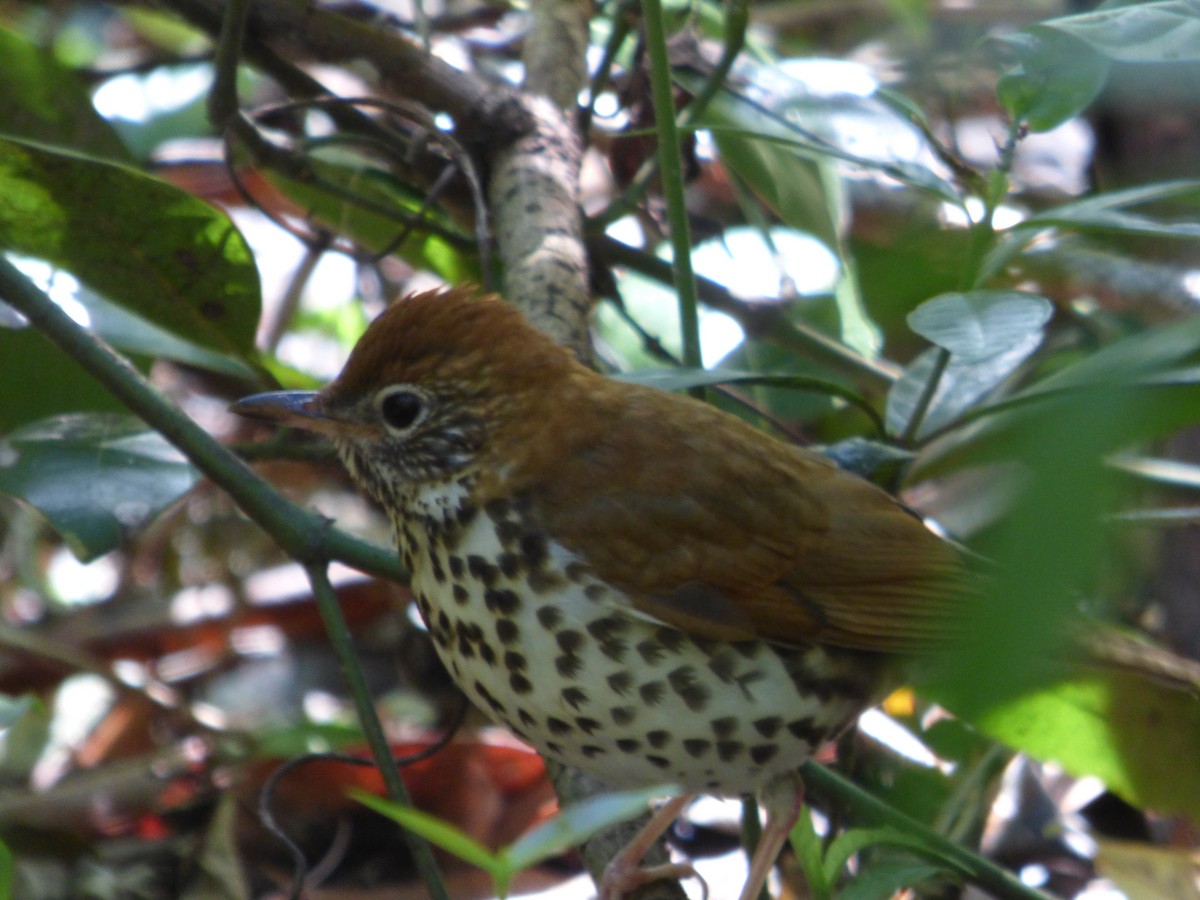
633,702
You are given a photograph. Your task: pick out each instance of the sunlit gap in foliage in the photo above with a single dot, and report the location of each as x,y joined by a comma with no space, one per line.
138,98
62,287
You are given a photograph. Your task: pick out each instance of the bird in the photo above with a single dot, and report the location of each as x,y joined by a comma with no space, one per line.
636,583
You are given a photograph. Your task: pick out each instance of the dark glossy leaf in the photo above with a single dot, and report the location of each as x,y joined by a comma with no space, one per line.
138,241
131,333
63,386
96,478
44,101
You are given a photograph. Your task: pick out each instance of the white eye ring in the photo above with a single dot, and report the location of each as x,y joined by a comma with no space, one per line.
401,407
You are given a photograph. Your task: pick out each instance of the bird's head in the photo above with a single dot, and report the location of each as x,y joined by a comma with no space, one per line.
432,391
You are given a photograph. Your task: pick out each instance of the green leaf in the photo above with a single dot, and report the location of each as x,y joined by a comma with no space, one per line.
1057,77
961,385
1165,32
578,822
138,241
434,830
1049,546
1137,736
377,217
779,105
131,333
44,101
987,334
858,839
1064,63
884,880
1106,212
96,478
806,844
981,324
793,188
28,358
6,871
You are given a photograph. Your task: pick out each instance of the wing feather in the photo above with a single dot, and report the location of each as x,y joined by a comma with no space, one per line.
726,533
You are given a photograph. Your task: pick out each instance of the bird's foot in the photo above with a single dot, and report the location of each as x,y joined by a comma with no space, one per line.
621,880
626,872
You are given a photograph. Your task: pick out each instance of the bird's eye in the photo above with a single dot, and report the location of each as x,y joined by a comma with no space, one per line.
401,407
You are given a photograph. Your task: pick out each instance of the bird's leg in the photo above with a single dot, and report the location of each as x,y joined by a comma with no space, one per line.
625,871
783,798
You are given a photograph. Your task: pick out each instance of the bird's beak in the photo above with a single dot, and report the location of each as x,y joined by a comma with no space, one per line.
293,409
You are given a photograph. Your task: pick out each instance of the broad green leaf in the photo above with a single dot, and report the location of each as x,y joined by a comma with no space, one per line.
987,334
837,856
980,324
1164,32
792,187
138,241
1056,78
1047,548
884,880
96,478
1137,736
1064,63
1151,374
63,386
133,334
44,101
960,387
1155,351
578,822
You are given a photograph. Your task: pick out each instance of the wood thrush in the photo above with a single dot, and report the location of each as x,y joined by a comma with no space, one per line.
639,585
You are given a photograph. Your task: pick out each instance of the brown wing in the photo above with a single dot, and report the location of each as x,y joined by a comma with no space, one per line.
713,527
